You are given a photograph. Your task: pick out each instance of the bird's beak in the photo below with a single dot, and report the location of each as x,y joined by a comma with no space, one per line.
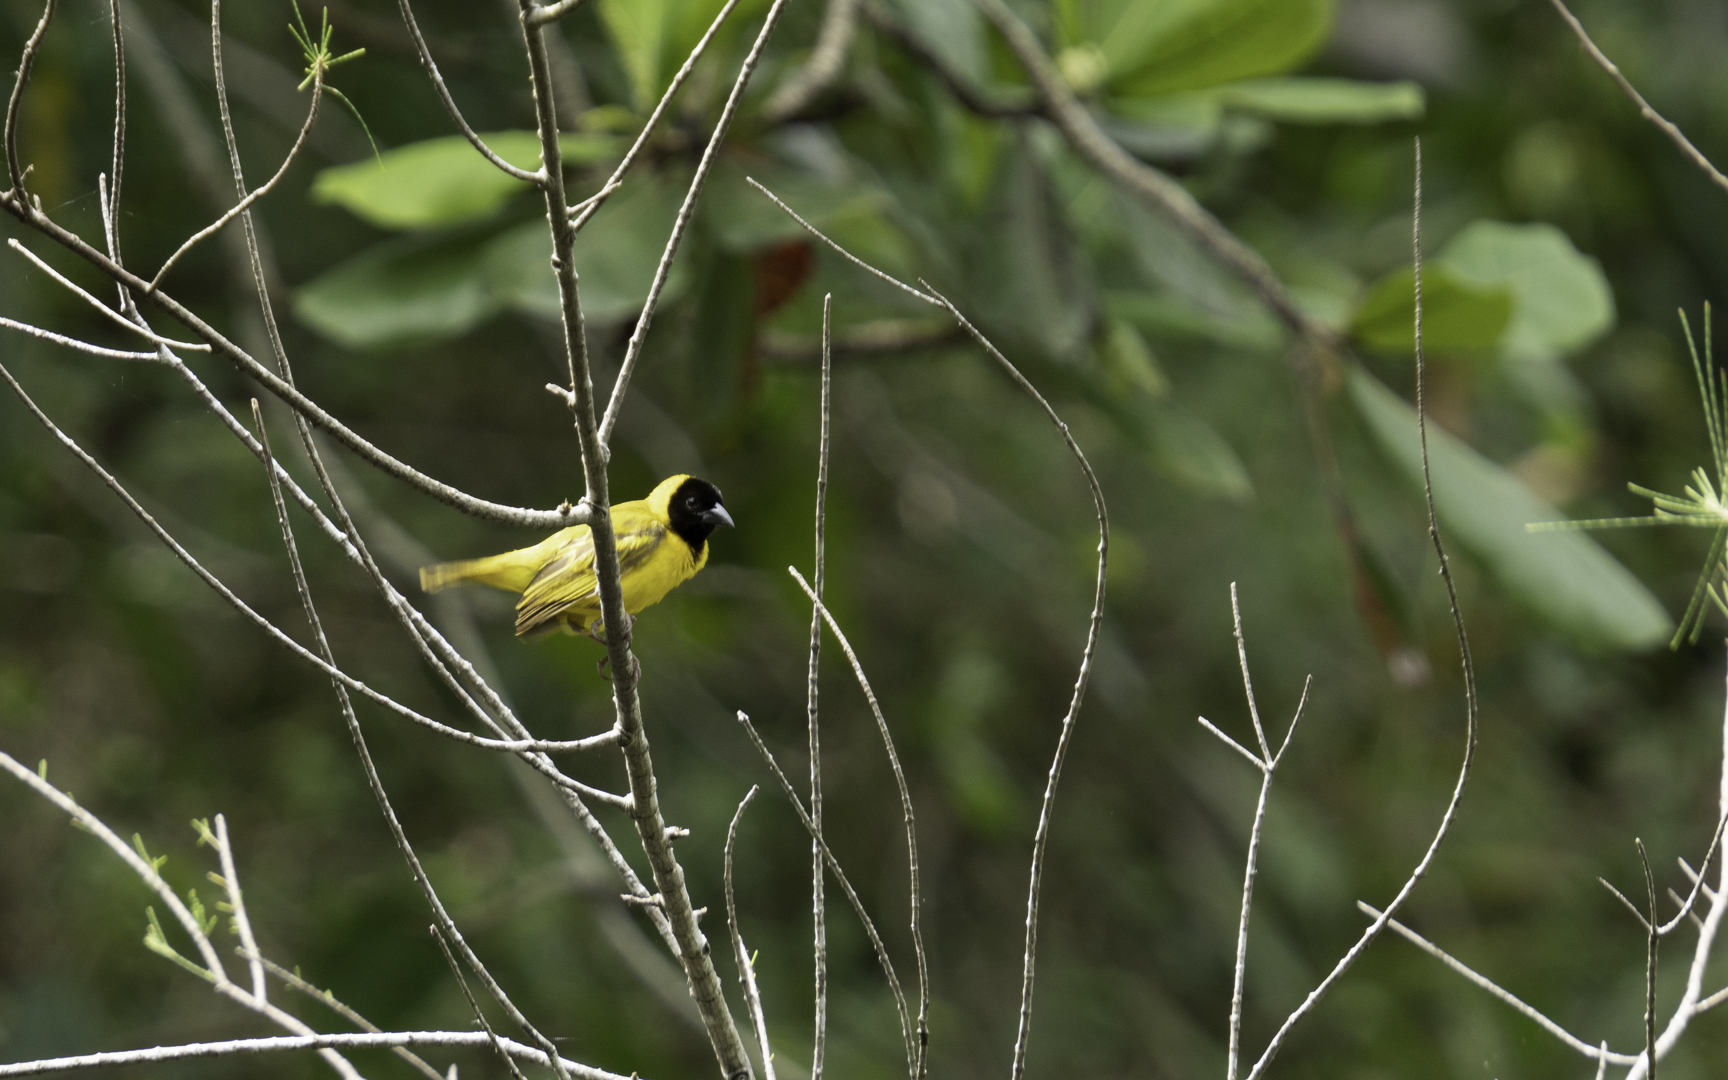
716,516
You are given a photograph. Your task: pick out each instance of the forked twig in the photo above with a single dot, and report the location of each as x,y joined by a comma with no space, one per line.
538,179
1466,664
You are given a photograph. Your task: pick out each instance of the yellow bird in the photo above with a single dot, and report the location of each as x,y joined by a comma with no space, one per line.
662,542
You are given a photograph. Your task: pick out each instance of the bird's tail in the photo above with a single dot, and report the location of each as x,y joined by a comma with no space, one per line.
498,571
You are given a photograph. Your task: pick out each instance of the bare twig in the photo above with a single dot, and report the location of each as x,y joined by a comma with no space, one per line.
347,1040
1652,941
74,343
1466,664
1599,1053
1268,767
538,179
474,1006
1644,108
108,312
212,970
692,948
746,965
818,905
264,189
582,211
331,1002
445,923
242,924
917,1064
828,856
26,64
639,334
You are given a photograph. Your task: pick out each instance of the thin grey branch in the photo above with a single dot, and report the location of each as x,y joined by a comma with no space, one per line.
1253,759
331,1002
237,901
74,343
246,203
538,179
818,903
107,312
1674,133
1589,1051
741,955
26,64
638,335
347,1040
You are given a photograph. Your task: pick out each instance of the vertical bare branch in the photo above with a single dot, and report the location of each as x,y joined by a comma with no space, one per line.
693,951
1652,939
446,924
14,172
237,901
818,906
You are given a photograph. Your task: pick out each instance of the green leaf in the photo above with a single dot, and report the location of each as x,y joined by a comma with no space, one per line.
638,29
615,257
1561,300
1459,315
1564,577
410,289
954,30
443,181
1155,47
1297,100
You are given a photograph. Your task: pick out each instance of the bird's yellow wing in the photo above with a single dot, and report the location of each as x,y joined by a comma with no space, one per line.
566,583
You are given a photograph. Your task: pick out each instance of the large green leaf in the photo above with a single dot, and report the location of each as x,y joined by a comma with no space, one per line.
1561,298
615,257
1458,314
445,181
1564,577
403,290
1154,47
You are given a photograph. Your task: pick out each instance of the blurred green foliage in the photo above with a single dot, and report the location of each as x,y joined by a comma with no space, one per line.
1564,233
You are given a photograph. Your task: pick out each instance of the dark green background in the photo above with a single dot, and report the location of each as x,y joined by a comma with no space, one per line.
960,544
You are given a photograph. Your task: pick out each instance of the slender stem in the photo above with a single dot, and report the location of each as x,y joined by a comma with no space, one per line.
741,955
538,179
26,64
639,335
818,905
1674,133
